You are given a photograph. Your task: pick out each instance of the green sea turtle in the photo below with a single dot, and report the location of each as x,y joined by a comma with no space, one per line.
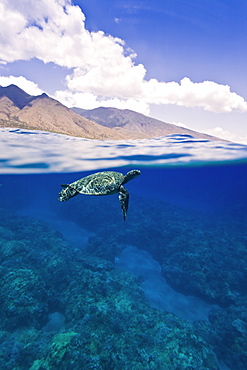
101,183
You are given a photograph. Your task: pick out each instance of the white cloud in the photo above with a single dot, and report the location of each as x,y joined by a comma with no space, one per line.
53,31
90,101
180,124
208,95
103,69
129,83
24,84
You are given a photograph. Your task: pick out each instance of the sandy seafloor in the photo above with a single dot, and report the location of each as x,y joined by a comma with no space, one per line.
81,288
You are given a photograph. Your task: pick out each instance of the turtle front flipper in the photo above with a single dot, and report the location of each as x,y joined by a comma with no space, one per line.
124,200
67,192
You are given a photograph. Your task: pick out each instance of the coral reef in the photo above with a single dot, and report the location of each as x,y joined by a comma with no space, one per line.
108,323
200,253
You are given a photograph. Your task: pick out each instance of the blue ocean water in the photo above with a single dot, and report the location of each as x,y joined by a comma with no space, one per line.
81,288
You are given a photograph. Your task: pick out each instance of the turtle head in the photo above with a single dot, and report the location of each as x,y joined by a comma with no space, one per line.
131,175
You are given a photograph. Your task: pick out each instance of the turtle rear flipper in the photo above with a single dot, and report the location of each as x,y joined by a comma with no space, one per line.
124,200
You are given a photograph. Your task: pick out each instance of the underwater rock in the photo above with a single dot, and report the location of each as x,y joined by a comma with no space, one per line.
56,356
6,234
240,326
23,299
17,350
108,309
226,332
229,335
13,248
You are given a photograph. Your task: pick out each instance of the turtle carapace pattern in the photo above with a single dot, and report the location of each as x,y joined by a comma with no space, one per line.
101,183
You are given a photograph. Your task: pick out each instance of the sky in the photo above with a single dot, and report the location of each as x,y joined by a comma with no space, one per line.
181,61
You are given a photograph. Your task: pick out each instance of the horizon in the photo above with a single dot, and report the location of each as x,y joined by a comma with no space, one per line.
181,63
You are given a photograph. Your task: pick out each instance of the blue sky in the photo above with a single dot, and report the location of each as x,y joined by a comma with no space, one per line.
181,61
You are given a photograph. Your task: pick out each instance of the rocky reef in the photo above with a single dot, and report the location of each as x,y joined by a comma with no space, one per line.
64,308
200,253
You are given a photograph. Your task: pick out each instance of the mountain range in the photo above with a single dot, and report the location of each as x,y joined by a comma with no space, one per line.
21,110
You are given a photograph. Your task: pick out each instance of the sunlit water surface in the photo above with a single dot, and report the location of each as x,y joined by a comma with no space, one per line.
42,152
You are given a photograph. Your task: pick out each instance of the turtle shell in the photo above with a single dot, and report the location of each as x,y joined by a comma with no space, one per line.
100,183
